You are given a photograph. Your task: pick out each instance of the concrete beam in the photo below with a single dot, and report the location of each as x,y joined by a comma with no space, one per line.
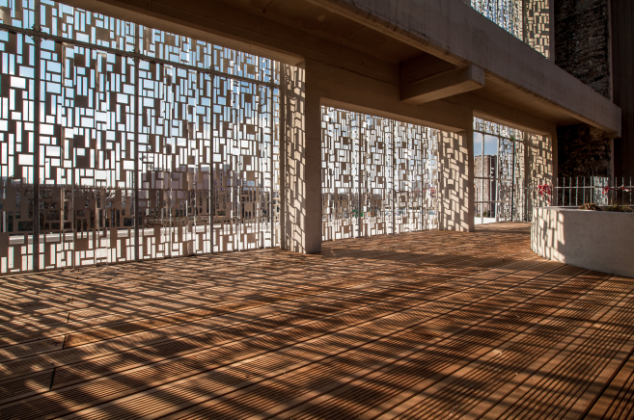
442,86
423,66
342,88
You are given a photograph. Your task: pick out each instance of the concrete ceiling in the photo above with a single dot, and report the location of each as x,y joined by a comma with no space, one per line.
323,23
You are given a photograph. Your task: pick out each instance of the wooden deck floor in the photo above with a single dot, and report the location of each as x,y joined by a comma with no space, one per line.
421,325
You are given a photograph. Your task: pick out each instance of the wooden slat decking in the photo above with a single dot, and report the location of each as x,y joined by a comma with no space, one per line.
419,325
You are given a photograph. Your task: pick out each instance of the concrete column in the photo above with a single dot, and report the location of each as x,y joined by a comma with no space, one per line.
300,158
313,223
540,166
456,188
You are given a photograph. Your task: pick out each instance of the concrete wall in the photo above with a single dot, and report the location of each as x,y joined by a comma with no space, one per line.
601,241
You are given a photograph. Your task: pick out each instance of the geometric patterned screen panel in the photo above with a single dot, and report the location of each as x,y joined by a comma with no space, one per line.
508,14
527,20
537,26
379,176
120,142
18,168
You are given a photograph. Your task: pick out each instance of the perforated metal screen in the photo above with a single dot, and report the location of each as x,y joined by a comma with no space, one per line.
120,142
528,20
379,176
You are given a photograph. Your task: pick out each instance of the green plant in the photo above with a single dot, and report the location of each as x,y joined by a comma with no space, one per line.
590,206
619,208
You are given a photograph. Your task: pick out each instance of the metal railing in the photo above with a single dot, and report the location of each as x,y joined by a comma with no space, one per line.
562,192
576,191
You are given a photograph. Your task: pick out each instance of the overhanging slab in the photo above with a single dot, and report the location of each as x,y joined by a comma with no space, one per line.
442,86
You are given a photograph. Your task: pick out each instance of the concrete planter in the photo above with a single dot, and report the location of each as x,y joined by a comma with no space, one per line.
597,240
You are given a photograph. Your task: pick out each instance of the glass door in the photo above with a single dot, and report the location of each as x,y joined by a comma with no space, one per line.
498,173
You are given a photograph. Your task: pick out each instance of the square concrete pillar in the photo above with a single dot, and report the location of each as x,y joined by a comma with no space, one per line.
300,163
456,187
540,167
